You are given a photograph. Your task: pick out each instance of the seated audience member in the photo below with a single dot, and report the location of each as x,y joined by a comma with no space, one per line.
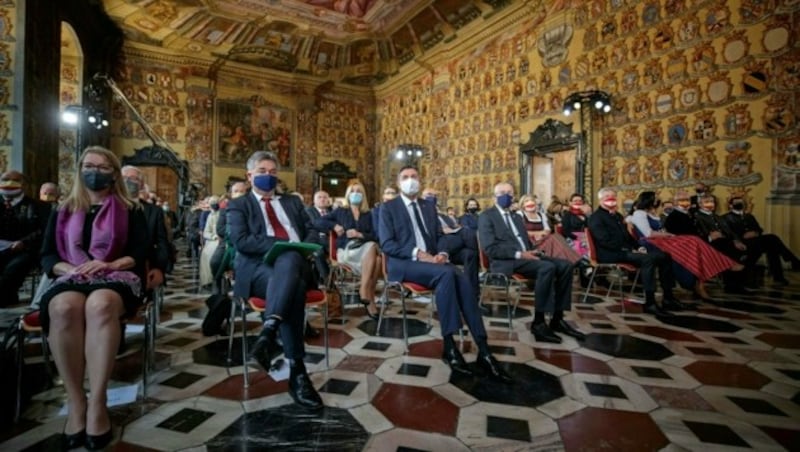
615,244
470,217
681,220
389,194
510,250
210,242
451,214
700,190
356,244
540,234
194,236
50,194
22,220
321,206
256,222
666,208
554,212
410,234
222,260
93,249
574,222
745,227
696,261
713,228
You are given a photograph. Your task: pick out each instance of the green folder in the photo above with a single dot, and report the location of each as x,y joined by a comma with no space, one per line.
278,248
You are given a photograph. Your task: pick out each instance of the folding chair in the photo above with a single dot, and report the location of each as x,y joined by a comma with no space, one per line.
423,295
342,277
28,324
489,282
618,269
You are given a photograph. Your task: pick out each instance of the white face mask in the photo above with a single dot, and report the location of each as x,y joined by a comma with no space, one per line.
410,186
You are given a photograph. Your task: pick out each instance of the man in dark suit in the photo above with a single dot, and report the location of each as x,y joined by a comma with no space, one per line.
22,221
389,194
746,229
615,244
409,235
256,222
321,207
504,240
158,256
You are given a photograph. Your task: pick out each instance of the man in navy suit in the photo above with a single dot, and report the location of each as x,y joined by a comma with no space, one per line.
256,221
409,233
502,235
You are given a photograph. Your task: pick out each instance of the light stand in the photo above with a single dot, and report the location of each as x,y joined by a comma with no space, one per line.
587,102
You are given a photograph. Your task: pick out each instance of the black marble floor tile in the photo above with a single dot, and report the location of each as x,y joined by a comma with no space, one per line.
745,306
409,449
632,318
625,346
531,387
498,324
730,340
507,428
791,373
51,443
313,358
180,342
651,372
289,427
416,370
338,386
182,380
765,326
182,325
378,346
216,353
503,350
605,390
602,326
757,406
796,398
393,327
715,434
185,420
700,323
703,351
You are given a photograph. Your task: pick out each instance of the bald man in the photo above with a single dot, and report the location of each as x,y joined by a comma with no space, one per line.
22,220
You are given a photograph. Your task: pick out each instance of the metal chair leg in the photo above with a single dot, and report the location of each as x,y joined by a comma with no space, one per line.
325,339
20,363
244,345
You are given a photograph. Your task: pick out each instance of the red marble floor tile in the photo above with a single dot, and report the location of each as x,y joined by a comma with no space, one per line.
683,399
780,340
336,338
665,333
427,349
416,408
790,439
726,374
573,362
598,429
365,364
261,385
726,314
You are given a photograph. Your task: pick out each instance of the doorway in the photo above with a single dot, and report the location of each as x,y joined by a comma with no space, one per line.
554,175
554,163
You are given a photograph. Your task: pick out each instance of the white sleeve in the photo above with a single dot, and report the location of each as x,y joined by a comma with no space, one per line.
639,220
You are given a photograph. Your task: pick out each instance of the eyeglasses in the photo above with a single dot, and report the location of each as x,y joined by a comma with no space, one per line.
100,168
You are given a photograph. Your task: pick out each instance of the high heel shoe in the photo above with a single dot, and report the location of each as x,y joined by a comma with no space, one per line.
99,442
73,441
366,304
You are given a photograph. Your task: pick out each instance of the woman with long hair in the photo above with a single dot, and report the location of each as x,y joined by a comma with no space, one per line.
93,249
538,229
696,260
356,243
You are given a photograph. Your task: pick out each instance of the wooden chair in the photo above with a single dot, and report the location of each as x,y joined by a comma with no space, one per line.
422,294
620,269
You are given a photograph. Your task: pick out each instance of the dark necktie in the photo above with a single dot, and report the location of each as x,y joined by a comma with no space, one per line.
277,227
511,228
421,225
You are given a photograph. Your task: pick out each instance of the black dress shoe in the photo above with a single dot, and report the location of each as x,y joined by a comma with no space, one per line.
543,333
563,327
453,358
99,442
266,347
656,310
73,441
303,392
491,366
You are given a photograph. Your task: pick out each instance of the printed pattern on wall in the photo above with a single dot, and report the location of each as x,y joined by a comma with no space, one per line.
8,47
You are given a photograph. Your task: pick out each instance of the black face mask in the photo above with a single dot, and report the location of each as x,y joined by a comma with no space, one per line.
472,210
95,180
738,206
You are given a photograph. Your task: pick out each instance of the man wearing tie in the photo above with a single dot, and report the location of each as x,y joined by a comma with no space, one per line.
256,221
409,235
504,240
320,208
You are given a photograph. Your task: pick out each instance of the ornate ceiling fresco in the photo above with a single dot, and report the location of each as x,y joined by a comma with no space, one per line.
359,42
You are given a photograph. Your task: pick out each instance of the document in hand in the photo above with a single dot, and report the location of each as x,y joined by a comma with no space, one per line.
306,249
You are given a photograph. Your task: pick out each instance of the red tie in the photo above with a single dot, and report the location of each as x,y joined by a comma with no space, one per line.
280,231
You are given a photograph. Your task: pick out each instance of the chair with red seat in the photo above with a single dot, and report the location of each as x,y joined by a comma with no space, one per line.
422,294
315,299
29,323
619,269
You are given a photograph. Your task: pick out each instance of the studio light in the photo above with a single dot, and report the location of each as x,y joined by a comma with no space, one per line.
601,101
409,151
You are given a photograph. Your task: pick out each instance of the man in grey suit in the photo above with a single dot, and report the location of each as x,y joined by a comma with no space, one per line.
503,238
256,222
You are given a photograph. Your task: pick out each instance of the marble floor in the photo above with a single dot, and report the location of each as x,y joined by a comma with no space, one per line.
724,377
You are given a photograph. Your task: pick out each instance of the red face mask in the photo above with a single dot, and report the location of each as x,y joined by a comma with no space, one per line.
610,204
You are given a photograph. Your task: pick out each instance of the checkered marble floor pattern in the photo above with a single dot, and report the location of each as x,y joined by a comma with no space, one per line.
724,377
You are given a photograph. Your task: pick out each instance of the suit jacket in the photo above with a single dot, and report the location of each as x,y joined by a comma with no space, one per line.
26,222
345,218
680,223
709,222
611,237
396,232
158,246
315,234
499,242
740,224
248,235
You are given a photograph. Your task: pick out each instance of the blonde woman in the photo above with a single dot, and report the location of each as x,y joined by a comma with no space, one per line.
356,244
93,249
536,224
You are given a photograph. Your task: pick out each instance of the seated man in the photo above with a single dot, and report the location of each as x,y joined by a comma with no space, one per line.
713,228
256,221
22,222
746,229
410,236
504,240
320,208
389,194
615,244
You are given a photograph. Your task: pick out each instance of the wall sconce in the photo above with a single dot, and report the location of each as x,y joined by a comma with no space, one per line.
600,100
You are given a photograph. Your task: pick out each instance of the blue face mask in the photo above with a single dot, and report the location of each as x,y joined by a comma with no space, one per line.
355,198
265,182
431,199
505,200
